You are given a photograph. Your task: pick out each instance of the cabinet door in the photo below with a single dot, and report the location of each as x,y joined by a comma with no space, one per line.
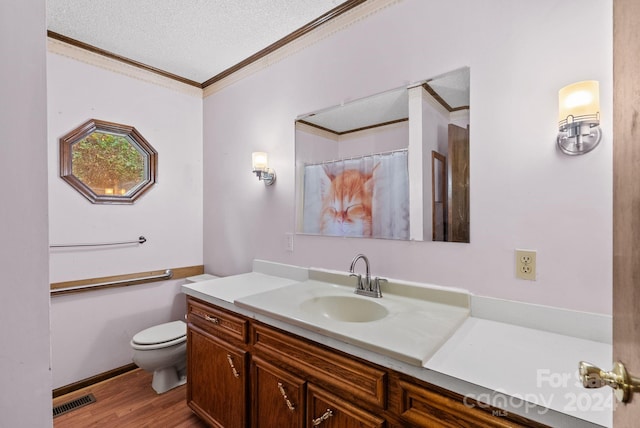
325,410
278,397
216,380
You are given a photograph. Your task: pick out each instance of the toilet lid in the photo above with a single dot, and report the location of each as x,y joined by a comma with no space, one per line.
161,333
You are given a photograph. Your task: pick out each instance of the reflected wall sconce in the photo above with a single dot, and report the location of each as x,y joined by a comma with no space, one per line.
260,162
579,117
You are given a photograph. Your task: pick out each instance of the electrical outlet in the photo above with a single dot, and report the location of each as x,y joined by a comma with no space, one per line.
288,239
526,264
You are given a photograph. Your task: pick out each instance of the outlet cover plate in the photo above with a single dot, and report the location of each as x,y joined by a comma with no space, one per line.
526,264
288,242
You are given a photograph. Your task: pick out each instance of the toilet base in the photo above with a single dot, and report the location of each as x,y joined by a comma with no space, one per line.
167,378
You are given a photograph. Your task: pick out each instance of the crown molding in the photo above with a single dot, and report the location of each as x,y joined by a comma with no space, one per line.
320,31
326,25
333,13
120,65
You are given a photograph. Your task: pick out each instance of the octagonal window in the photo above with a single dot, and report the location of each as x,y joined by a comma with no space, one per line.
108,163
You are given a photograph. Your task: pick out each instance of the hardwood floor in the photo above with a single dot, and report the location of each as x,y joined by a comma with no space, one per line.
128,401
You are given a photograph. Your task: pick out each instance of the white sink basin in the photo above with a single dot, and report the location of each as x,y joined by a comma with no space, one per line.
345,308
408,323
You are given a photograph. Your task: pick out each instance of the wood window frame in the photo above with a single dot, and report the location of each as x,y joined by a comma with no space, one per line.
129,132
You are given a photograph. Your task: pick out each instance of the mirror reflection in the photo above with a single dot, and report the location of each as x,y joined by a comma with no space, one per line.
393,165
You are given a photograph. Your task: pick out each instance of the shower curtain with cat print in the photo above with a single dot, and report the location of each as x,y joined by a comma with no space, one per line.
366,197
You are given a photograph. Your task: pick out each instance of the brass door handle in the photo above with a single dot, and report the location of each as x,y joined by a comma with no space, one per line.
290,405
324,417
212,319
235,372
619,379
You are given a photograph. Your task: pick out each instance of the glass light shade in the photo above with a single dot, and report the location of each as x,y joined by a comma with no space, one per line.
260,161
579,101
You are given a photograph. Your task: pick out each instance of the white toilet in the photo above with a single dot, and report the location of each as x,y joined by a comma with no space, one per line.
162,349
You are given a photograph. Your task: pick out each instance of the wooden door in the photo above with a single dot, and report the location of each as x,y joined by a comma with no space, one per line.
458,185
278,397
626,198
217,386
438,196
325,410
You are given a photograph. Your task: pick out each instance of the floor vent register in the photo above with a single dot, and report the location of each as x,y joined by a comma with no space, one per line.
73,405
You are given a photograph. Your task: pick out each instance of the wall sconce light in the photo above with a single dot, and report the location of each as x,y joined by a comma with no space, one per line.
260,162
579,117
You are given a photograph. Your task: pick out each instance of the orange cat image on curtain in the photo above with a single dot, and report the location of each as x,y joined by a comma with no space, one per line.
346,204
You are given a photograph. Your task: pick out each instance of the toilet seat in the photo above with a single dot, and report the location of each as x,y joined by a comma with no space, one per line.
160,336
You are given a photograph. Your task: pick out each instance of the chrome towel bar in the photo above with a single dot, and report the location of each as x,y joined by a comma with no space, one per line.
131,281
140,240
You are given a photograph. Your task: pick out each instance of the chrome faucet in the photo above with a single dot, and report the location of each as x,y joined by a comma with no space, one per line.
365,286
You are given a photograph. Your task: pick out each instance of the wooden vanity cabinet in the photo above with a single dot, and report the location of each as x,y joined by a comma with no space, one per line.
327,410
243,373
218,389
341,391
282,400
217,366
418,404
346,376
278,397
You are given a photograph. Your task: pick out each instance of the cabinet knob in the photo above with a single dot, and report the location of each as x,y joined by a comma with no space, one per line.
623,384
324,417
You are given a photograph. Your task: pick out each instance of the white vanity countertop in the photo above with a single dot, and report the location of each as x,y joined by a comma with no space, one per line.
232,288
506,365
537,366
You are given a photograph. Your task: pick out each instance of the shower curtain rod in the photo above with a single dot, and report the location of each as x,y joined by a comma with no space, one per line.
357,157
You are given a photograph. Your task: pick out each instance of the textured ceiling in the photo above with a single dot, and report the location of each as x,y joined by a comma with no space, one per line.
193,39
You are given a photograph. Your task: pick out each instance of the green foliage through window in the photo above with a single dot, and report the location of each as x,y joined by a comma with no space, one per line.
108,163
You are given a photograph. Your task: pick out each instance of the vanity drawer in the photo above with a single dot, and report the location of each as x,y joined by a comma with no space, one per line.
358,381
422,407
217,321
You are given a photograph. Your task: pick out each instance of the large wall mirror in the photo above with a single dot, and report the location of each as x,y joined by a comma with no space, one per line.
393,165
